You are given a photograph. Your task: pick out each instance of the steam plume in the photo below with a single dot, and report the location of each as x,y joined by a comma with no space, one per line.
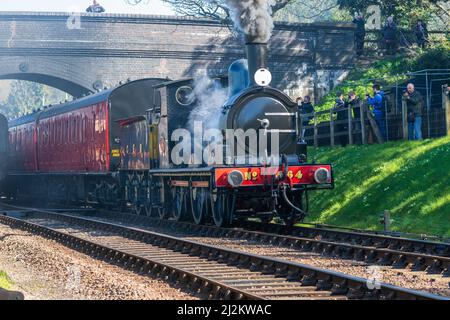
210,97
253,18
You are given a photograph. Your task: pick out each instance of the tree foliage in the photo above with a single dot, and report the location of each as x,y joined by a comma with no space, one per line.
288,10
405,12
25,96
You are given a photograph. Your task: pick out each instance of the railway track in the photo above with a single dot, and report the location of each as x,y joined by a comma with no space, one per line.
216,272
419,255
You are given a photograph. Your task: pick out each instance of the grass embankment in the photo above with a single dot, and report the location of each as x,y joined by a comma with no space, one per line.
411,179
5,282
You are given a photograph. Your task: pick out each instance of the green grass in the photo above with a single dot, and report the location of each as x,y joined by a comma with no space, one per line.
5,281
412,179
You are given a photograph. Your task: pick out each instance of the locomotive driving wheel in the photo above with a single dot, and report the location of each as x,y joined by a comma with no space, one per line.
180,203
222,205
200,205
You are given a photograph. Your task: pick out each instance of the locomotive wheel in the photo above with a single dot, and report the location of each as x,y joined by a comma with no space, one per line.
222,205
136,205
200,205
180,204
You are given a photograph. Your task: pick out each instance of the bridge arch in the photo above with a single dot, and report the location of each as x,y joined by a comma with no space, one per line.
67,86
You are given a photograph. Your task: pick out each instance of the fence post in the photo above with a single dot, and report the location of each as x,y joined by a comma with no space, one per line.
363,123
404,120
387,221
316,132
332,128
350,126
446,107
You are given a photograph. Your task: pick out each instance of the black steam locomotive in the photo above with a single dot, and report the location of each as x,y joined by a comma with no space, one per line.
116,149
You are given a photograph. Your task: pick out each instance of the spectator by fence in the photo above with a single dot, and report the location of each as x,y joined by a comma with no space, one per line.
327,129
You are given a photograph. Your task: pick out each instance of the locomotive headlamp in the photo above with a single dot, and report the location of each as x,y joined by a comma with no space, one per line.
322,175
235,178
263,77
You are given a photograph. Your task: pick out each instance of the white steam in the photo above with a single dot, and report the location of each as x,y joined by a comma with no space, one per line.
210,97
253,18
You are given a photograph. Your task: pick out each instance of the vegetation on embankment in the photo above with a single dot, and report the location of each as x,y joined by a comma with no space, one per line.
5,281
411,179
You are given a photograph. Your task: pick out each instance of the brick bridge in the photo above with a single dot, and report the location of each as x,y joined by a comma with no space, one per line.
83,53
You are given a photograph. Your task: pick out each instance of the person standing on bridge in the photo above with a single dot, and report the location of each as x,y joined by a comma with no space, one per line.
360,33
421,34
390,35
95,8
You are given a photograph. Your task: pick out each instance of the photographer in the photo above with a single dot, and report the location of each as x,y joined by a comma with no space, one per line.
414,102
379,113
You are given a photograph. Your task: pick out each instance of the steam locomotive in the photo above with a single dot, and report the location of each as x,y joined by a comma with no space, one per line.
114,149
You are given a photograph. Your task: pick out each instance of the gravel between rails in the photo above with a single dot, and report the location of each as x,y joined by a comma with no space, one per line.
406,278
43,269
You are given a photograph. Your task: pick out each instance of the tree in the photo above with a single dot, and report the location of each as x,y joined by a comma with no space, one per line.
405,12
213,9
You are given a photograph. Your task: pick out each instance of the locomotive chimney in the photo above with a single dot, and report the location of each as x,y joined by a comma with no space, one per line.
257,59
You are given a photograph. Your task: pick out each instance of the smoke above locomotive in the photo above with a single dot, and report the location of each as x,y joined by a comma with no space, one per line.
253,18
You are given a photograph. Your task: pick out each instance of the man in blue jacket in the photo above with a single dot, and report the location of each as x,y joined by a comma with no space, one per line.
377,103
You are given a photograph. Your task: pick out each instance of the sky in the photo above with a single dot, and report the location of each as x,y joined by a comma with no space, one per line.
111,6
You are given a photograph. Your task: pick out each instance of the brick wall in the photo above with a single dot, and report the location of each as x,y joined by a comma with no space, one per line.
81,52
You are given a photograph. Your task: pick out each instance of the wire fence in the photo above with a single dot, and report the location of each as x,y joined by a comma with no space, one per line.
357,125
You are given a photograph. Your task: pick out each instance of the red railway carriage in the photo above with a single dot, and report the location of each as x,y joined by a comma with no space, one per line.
76,144
79,136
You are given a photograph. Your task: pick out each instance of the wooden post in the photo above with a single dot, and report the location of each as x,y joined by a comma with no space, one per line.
332,127
387,220
316,132
374,125
350,126
363,124
405,120
446,106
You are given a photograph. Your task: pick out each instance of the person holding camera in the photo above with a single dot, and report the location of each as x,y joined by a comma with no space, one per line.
377,104
414,102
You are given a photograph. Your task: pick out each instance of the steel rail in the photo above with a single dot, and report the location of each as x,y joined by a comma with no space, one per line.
384,252
337,283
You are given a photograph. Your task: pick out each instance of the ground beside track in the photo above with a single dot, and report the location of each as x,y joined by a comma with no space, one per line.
43,270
